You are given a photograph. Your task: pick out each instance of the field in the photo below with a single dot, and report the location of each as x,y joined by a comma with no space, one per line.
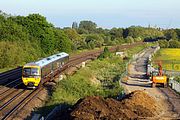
170,58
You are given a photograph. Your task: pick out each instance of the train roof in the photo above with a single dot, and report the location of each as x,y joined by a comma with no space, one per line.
45,61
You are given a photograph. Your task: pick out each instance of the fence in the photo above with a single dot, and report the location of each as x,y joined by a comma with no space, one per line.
174,85
172,73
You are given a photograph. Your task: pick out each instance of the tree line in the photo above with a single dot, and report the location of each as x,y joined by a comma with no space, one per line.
29,38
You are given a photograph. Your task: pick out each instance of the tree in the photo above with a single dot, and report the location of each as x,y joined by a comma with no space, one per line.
178,33
74,37
75,25
94,40
106,53
163,43
38,28
17,53
170,34
129,39
62,42
174,44
116,33
142,32
11,31
138,39
88,25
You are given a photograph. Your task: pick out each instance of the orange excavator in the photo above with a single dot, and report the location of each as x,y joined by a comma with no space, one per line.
157,77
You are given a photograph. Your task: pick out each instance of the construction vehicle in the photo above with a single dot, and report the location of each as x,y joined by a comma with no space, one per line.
157,77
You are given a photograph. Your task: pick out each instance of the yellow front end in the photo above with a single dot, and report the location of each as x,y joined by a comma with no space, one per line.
160,79
34,81
31,76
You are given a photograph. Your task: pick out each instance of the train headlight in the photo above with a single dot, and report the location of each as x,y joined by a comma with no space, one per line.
25,79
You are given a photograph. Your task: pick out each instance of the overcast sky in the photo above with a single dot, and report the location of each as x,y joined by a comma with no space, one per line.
106,13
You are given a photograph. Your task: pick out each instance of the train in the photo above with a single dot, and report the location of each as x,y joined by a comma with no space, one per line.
34,73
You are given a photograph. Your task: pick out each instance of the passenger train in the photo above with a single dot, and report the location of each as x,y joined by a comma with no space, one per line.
34,72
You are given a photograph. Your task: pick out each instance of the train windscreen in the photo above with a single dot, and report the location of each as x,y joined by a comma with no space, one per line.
30,72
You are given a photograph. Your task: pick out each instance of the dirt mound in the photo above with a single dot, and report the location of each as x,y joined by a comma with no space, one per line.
135,105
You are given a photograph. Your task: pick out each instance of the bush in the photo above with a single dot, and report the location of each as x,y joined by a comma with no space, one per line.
177,79
163,43
17,53
105,54
174,44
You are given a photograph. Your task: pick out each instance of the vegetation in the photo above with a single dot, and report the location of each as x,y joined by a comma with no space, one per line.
170,58
32,37
177,79
105,54
99,77
169,44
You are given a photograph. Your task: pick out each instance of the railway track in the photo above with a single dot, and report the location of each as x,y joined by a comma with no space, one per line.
7,77
12,85
17,103
13,99
10,71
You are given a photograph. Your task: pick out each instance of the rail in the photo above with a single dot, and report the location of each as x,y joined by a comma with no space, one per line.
22,103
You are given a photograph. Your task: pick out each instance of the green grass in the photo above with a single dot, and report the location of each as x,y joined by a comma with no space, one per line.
5,69
168,54
170,58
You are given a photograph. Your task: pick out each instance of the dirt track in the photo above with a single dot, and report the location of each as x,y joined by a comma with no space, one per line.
167,98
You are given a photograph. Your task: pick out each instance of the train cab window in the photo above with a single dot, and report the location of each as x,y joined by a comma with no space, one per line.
27,72
34,71
30,71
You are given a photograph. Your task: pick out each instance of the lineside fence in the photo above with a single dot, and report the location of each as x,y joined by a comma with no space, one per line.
173,84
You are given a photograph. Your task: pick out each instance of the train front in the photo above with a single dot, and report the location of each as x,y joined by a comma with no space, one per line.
31,75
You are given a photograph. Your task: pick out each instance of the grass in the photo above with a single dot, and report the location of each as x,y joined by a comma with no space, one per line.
5,69
170,58
168,54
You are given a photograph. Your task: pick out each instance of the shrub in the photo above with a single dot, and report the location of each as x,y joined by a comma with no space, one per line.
105,54
174,44
163,43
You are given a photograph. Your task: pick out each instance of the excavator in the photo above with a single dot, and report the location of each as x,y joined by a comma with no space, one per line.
157,77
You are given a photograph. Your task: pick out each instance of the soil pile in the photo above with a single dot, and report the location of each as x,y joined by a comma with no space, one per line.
137,104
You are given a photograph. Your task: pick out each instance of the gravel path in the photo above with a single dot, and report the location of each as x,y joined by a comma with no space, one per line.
166,97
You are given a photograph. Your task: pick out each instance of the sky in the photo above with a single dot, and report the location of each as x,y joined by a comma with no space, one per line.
105,13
